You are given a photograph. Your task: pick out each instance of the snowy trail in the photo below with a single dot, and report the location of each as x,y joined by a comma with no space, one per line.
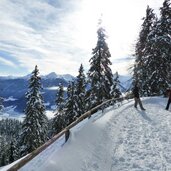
144,143
124,139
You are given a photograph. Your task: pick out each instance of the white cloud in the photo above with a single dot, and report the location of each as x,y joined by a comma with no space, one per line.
7,62
59,35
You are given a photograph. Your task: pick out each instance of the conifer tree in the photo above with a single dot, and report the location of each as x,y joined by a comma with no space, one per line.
58,121
158,52
9,132
1,105
141,66
14,149
115,92
3,149
12,152
70,106
35,123
80,92
100,75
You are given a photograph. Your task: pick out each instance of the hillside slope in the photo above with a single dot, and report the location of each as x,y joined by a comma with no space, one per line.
122,139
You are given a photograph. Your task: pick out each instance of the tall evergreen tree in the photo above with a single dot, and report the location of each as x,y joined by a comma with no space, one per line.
1,105
12,151
70,106
9,132
58,121
158,52
35,122
141,66
3,151
100,75
80,92
115,92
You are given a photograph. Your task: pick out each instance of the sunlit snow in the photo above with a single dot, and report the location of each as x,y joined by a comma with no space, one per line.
120,139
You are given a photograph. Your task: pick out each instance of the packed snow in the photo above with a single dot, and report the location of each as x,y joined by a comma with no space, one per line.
120,139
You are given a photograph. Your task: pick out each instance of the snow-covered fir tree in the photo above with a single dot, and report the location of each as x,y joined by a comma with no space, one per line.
115,91
59,120
1,105
80,92
153,52
13,151
141,66
100,74
34,128
158,52
9,132
70,106
3,151
10,127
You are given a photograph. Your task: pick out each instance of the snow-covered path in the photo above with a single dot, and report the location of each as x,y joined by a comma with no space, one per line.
123,139
144,140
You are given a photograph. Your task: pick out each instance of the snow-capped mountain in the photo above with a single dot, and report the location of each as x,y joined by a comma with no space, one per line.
13,89
53,75
67,77
126,82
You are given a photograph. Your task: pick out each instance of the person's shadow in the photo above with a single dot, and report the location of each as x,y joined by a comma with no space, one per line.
144,115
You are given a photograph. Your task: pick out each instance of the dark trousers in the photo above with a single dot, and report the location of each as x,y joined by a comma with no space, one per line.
168,103
138,101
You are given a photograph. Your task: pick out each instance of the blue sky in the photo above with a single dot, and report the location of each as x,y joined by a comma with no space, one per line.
58,35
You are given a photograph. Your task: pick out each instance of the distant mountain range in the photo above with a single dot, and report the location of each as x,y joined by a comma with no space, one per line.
13,89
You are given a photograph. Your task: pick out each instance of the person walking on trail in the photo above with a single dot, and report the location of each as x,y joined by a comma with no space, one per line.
137,97
169,99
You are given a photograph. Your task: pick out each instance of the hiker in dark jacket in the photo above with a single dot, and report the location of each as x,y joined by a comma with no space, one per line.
169,99
137,97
